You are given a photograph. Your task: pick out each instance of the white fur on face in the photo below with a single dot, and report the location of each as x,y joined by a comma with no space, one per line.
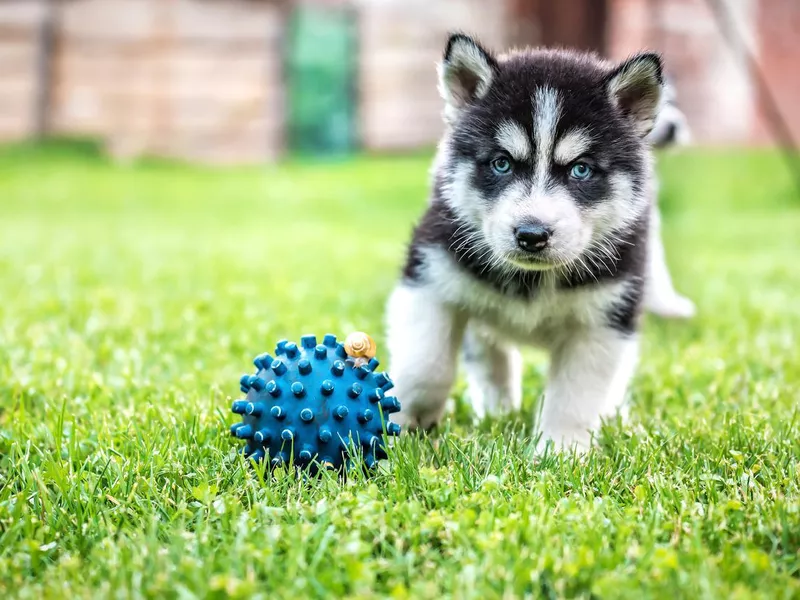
620,208
543,201
571,146
467,201
546,112
552,206
513,139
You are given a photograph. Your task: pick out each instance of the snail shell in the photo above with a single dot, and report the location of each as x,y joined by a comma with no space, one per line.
360,345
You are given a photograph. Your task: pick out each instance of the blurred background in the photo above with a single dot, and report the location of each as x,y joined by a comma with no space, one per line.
248,81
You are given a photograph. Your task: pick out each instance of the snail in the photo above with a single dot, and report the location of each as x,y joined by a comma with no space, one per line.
361,347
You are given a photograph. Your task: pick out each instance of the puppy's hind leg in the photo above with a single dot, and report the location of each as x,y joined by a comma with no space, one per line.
661,298
494,373
423,339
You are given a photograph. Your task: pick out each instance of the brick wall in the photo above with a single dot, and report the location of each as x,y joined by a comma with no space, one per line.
401,42
195,79
189,78
715,88
779,55
19,38
202,79
716,94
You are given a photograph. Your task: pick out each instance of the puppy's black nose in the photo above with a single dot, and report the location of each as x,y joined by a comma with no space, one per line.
532,237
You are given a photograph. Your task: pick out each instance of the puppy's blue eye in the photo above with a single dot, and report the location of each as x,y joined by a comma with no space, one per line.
581,171
501,165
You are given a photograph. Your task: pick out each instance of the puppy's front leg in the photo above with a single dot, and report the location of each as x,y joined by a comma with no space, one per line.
494,373
423,339
589,375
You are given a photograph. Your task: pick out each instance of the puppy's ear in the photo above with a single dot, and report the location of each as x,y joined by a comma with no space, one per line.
635,87
465,73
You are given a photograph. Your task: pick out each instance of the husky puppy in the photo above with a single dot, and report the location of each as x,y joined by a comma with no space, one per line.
536,233
661,298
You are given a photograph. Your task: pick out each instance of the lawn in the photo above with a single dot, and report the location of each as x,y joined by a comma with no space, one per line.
132,297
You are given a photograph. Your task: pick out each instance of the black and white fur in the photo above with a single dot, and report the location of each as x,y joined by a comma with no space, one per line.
661,298
468,274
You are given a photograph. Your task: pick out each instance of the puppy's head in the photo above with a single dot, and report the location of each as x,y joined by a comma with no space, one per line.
544,154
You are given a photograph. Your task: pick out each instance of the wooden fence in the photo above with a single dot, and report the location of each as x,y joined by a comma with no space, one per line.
195,79
205,79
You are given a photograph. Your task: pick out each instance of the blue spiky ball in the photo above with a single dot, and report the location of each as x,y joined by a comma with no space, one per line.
311,406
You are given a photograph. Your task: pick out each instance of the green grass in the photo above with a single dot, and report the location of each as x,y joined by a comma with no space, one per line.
132,298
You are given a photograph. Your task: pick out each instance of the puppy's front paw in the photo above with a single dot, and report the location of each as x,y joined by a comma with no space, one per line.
564,440
415,420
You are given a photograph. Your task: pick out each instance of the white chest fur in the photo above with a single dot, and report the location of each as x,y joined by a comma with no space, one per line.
542,320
